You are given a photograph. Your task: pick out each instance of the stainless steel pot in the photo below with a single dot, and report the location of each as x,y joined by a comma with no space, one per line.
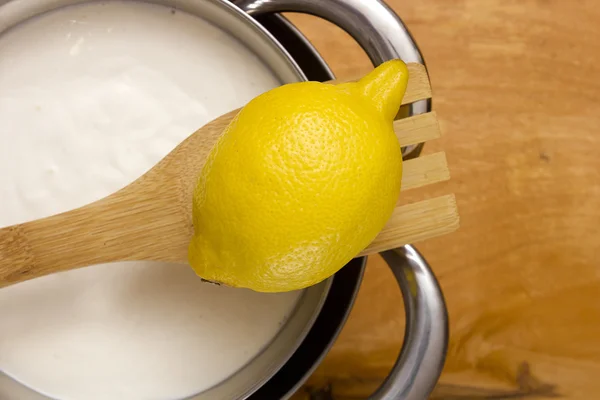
302,342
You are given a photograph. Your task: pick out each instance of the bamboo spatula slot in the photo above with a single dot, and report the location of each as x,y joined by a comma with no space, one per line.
151,218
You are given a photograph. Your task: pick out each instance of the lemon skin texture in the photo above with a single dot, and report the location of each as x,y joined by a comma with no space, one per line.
301,181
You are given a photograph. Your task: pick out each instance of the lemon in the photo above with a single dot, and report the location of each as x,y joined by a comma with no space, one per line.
301,181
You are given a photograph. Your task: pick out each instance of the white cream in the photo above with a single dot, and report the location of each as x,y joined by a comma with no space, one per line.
91,97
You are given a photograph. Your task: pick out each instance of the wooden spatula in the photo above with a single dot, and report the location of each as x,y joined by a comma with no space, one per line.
151,219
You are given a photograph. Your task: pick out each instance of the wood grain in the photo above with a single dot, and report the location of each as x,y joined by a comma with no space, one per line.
417,129
415,222
425,170
151,219
516,91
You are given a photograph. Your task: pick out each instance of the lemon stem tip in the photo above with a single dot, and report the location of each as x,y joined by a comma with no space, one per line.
385,86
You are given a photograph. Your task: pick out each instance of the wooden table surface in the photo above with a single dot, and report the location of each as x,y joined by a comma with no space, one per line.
517,89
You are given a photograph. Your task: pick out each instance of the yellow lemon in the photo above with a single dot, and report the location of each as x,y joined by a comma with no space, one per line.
301,181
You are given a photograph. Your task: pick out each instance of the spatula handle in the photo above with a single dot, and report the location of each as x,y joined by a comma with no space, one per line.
124,226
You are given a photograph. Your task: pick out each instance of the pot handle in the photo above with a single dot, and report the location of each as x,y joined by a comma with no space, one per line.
423,353
376,28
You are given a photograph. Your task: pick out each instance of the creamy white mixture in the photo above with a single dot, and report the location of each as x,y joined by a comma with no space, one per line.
91,97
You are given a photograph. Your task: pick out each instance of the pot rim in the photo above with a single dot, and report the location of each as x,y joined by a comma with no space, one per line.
381,33
226,16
